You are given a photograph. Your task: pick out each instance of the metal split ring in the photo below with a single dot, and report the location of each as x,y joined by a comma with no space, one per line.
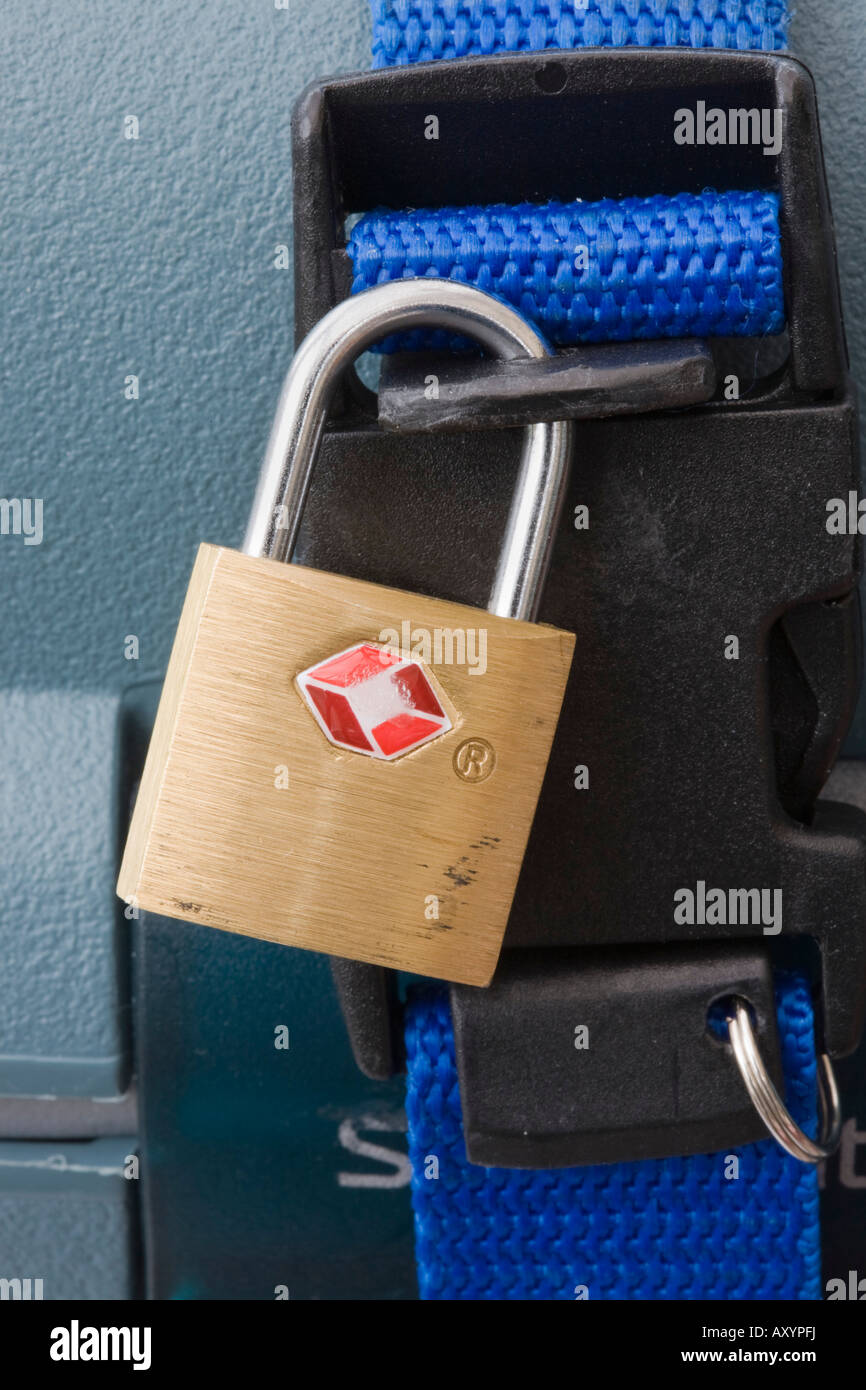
769,1104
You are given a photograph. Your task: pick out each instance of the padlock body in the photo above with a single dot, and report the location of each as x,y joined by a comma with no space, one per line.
249,818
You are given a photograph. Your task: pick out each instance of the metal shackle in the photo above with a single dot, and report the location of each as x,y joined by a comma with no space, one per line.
332,346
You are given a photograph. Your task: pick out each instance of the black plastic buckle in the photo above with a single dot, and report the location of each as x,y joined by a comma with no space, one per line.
706,522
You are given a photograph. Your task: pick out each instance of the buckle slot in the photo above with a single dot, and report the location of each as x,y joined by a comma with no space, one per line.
358,143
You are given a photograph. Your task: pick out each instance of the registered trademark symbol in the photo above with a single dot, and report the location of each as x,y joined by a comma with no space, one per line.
474,760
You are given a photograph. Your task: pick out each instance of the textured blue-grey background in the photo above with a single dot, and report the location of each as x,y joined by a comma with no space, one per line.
155,257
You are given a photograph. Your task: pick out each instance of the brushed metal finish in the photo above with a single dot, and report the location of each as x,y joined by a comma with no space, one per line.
338,853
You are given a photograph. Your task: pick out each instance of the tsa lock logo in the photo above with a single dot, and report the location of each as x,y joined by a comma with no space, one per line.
371,700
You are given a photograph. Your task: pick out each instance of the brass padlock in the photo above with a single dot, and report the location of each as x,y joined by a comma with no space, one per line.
309,779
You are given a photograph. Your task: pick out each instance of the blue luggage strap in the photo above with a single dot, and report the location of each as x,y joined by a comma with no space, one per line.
420,31
739,1224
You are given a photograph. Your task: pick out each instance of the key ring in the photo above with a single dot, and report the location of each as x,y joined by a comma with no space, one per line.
767,1100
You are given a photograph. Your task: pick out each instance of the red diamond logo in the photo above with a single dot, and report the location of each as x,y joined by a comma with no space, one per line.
372,700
